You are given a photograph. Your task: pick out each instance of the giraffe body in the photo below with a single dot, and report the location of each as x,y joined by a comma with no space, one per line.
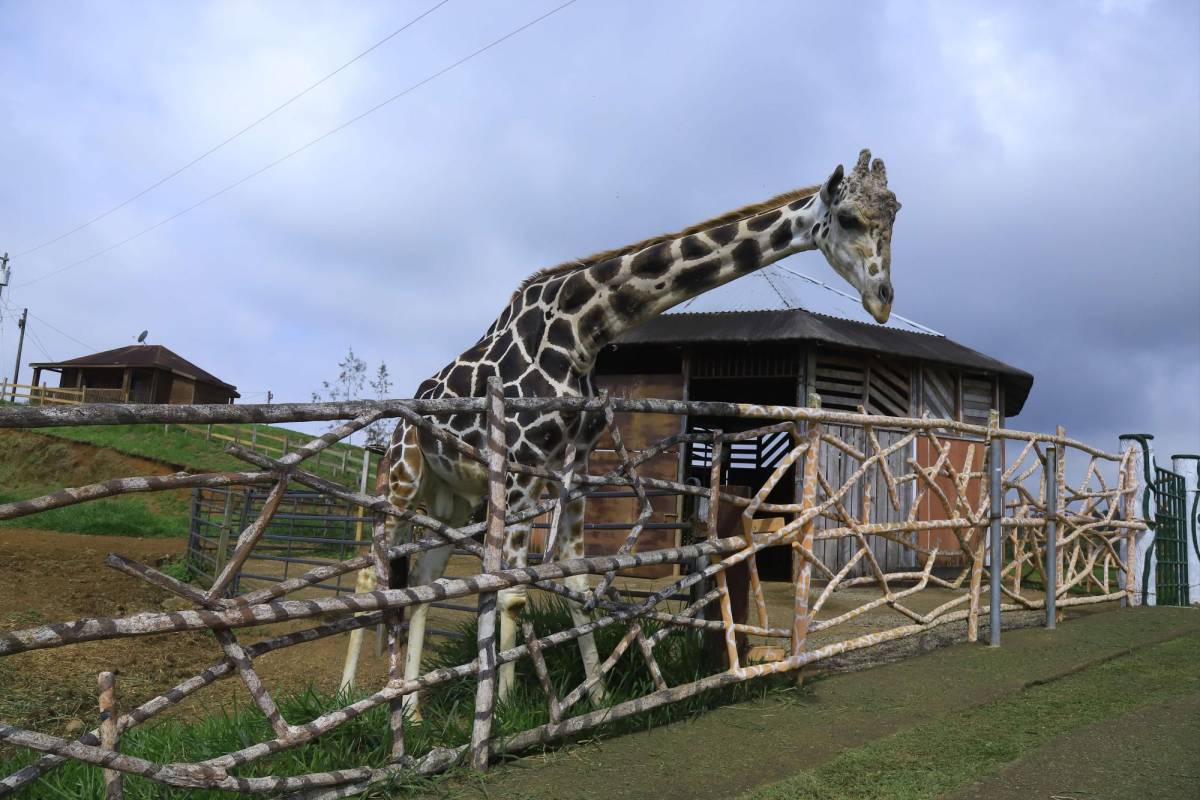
545,343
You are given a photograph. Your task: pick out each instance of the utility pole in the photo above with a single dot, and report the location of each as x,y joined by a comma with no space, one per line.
270,397
4,272
20,344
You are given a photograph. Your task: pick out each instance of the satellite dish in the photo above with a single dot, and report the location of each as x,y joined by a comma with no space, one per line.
142,336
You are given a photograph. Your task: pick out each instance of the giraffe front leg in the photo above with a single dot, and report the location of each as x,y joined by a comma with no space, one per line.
571,545
365,583
510,603
430,566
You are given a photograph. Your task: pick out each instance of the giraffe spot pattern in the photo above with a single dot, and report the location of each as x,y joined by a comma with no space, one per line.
693,247
653,261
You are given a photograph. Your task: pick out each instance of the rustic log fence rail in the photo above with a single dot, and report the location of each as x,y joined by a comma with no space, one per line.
953,503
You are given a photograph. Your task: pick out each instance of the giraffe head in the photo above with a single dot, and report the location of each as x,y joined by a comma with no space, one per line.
856,237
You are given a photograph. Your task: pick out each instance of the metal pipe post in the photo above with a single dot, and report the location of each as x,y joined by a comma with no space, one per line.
997,553
1050,569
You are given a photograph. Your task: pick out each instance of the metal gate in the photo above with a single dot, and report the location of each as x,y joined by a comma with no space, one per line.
1170,537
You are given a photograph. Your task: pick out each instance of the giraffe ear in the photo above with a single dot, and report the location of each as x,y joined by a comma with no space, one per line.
830,187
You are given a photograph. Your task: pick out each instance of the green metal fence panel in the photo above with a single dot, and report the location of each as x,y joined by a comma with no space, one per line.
1170,538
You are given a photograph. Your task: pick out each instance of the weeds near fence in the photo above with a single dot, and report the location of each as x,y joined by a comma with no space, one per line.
447,712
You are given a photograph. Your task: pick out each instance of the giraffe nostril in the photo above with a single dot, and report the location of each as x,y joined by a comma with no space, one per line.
885,293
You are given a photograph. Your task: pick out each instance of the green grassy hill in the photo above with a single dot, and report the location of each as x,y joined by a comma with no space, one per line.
38,462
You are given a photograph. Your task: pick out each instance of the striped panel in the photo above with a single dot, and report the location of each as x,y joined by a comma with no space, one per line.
840,382
976,399
939,395
889,389
762,453
746,363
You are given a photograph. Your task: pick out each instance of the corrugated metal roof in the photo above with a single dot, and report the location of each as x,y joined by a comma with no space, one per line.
142,355
799,325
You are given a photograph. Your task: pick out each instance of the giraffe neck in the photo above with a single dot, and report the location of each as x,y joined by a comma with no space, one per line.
612,296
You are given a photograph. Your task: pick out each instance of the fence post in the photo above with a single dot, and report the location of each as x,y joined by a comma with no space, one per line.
107,682
1050,569
996,468
1142,562
485,692
223,537
254,436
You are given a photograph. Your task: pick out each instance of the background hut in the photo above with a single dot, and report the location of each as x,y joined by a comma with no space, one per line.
140,373
785,355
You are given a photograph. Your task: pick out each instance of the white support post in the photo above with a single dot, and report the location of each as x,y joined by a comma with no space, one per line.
1142,507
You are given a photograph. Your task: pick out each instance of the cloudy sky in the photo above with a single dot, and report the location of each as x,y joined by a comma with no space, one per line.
1047,156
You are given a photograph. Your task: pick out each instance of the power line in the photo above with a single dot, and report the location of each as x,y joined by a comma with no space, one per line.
59,331
226,141
39,344
304,147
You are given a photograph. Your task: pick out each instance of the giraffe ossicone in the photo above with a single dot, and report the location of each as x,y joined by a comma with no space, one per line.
545,343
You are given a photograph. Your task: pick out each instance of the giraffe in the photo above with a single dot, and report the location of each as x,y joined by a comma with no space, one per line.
545,343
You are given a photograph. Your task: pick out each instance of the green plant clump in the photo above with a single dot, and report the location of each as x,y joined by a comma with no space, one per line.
447,712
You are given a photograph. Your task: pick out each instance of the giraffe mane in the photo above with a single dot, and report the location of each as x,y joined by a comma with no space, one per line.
723,219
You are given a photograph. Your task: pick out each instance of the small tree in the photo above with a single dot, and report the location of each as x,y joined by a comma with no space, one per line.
352,375
381,388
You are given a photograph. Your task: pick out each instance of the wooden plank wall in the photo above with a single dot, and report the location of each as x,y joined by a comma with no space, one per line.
837,466
638,431
931,507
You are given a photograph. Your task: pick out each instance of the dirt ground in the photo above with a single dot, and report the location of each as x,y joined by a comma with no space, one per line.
54,576
51,576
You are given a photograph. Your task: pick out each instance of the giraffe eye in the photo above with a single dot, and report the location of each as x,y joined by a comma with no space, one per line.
849,221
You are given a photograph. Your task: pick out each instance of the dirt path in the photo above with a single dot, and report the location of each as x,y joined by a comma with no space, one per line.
1156,755
49,576
735,749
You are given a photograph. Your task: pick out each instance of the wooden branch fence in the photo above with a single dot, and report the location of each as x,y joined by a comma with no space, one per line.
339,460
1017,526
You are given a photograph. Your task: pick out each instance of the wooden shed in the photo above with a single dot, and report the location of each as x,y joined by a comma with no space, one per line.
786,357
140,373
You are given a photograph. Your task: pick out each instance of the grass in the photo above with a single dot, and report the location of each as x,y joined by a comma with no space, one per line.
447,710
927,761
118,516
31,464
150,441
175,446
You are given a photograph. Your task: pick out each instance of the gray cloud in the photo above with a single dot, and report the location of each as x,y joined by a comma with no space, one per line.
1047,155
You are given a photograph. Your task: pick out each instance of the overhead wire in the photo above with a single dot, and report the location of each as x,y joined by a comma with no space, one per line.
234,136
33,335
305,146
52,327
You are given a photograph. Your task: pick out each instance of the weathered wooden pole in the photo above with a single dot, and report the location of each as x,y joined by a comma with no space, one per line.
1050,570
109,737
485,692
